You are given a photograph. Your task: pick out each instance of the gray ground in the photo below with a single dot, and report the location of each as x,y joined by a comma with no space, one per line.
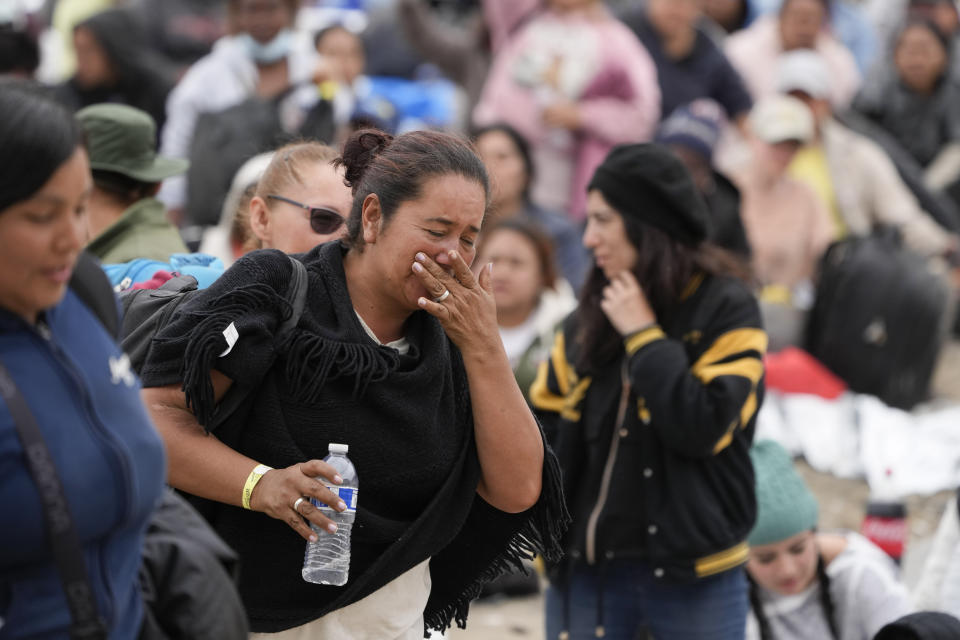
842,505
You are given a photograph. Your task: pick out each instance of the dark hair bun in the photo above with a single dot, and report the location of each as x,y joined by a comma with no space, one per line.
359,151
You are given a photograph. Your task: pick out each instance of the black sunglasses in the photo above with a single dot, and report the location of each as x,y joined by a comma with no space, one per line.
322,220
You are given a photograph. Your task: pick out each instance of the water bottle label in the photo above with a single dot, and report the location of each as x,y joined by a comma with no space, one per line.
347,494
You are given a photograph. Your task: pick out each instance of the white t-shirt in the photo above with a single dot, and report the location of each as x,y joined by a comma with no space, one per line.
516,340
866,596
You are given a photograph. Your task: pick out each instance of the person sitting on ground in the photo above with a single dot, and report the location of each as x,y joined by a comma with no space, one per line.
574,81
849,22
946,15
125,221
806,585
530,306
264,57
506,155
917,104
853,176
692,133
300,201
689,65
788,226
340,77
800,24
113,65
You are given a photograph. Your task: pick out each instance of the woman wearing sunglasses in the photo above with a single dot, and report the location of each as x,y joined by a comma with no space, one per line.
301,200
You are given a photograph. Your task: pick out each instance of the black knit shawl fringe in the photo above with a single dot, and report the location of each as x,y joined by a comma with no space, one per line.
312,360
541,534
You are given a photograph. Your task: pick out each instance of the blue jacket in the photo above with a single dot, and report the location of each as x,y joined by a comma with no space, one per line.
205,268
110,461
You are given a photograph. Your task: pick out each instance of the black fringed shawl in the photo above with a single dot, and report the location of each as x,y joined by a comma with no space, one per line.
407,419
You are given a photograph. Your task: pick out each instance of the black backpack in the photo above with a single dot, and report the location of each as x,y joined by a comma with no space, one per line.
146,311
879,318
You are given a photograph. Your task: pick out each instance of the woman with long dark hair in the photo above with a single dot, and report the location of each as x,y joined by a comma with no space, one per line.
650,398
806,585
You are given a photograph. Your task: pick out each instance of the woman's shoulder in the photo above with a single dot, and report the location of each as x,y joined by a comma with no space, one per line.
721,304
259,263
848,552
865,582
726,291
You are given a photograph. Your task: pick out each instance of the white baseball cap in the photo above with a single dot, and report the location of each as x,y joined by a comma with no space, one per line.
779,118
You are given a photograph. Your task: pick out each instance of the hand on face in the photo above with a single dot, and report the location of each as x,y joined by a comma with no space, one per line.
469,313
626,305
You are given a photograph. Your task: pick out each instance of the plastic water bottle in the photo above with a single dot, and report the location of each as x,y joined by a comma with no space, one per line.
327,561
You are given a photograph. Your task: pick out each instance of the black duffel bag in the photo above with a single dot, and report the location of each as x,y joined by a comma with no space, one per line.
880,318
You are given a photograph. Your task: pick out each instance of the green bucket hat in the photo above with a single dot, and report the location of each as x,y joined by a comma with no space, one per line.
124,140
785,506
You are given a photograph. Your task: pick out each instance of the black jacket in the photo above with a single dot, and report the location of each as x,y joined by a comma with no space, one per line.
681,488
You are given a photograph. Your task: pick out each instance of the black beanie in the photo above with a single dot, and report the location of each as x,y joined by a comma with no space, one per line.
648,182
926,625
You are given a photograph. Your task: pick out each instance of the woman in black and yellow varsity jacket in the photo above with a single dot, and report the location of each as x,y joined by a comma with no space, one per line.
650,397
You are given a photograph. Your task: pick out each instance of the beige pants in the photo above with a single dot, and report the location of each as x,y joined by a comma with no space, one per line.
393,612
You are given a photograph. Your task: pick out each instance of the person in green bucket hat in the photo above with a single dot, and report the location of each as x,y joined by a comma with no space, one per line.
125,221
808,585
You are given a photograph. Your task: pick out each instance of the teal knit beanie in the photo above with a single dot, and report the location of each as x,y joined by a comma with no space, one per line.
785,506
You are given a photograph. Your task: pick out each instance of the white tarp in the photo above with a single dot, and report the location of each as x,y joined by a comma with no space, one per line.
899,453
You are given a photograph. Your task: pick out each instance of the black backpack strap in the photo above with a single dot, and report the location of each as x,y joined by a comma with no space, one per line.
67,551
91,285
296,295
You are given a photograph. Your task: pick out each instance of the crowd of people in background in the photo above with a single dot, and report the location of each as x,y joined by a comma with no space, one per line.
627,204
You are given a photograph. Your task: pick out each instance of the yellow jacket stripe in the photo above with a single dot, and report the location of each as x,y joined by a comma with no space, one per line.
561,368
723,561
730,343
749,367
640,339
540,394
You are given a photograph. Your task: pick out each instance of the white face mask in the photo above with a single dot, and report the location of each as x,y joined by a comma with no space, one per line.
269,52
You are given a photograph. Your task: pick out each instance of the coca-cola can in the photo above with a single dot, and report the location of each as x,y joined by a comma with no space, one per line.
885,524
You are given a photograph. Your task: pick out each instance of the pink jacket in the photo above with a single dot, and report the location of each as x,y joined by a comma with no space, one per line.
755,53
594,60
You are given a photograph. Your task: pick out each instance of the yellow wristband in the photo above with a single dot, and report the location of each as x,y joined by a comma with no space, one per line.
252,481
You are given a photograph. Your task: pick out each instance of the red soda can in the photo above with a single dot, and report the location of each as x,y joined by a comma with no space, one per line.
885,525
